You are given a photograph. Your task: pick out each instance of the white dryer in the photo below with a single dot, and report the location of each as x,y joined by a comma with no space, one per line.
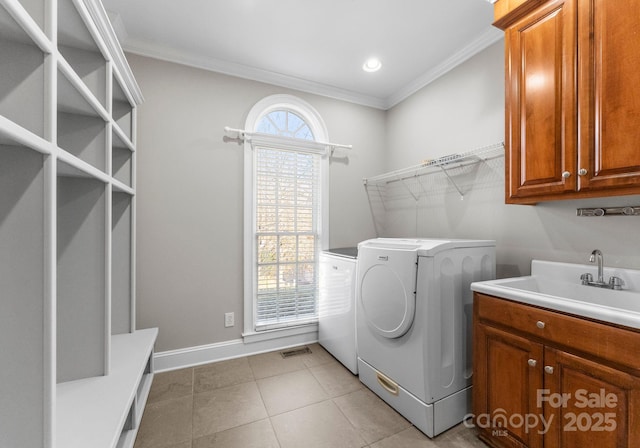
413,314
336,305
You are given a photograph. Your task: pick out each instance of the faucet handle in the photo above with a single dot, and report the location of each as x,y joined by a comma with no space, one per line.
616,282
586,278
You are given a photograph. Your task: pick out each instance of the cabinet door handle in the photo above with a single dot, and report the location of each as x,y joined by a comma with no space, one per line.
548,369
532,362
582,172
540,324
566,175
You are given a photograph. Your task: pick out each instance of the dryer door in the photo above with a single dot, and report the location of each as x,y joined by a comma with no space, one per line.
387,285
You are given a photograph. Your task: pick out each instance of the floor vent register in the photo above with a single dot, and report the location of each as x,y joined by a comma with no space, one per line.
295,352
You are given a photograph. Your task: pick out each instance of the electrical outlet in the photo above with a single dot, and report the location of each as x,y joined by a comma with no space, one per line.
228,319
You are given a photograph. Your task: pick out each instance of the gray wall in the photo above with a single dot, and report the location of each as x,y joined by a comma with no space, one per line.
190,195
464,110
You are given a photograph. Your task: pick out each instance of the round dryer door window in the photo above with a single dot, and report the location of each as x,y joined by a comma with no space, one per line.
387,304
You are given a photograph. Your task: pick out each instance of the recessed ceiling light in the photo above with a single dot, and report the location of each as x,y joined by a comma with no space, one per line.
372,65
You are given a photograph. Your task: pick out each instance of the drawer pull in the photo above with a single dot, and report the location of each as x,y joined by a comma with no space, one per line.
540,324
548,369
532,362
387,383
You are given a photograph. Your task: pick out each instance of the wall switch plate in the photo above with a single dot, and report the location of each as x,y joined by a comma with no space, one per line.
228,319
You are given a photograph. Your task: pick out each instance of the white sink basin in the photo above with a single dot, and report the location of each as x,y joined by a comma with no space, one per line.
557,286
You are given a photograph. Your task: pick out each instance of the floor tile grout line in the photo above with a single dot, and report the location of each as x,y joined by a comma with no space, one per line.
238,427
300,408
318,381
411,425
273,428
264,404
223,387
348,420
253,372
266,415
328,393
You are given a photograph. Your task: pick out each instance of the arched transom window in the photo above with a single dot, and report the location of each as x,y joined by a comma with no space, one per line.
285,123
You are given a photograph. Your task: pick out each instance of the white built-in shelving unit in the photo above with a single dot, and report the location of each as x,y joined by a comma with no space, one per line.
75,372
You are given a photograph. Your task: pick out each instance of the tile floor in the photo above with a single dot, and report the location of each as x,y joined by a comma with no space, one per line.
266,401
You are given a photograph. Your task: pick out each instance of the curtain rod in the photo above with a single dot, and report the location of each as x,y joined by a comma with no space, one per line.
246,135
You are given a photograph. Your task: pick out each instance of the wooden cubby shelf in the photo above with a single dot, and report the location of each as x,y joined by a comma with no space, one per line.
22,95
24,303
81,256
77,371
122,110
78,47
35,9
121,158
81,129
121,268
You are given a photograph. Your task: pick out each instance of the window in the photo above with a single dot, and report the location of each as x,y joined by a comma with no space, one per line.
285,213
285,123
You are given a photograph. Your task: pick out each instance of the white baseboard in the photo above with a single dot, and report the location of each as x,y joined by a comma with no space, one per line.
236,348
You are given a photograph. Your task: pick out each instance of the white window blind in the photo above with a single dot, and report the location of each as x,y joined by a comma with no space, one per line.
287,211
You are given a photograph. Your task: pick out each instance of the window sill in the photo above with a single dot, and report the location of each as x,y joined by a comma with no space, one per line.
266,335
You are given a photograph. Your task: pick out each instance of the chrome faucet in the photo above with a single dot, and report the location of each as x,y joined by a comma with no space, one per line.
596,255
587,279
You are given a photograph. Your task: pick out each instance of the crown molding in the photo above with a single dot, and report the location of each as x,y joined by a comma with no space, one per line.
488,37
250,73
163,53
99,16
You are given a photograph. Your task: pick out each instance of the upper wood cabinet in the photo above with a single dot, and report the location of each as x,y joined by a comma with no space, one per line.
572,102
608,95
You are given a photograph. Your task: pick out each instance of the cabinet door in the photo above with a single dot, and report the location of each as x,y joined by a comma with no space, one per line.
540,100
507,376
590,404
609,99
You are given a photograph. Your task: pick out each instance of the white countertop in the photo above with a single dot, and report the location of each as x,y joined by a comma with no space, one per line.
557,286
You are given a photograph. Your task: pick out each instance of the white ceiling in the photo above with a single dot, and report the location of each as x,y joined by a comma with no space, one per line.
316,46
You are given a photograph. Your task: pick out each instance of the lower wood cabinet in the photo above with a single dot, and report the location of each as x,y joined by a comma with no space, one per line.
505,385
533,388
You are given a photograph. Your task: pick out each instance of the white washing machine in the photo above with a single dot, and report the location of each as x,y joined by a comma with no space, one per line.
413,313
336,305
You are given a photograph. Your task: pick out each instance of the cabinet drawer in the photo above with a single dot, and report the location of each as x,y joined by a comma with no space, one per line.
616,345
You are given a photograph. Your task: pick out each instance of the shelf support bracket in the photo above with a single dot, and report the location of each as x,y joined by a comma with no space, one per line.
415,198
371,207
444,170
